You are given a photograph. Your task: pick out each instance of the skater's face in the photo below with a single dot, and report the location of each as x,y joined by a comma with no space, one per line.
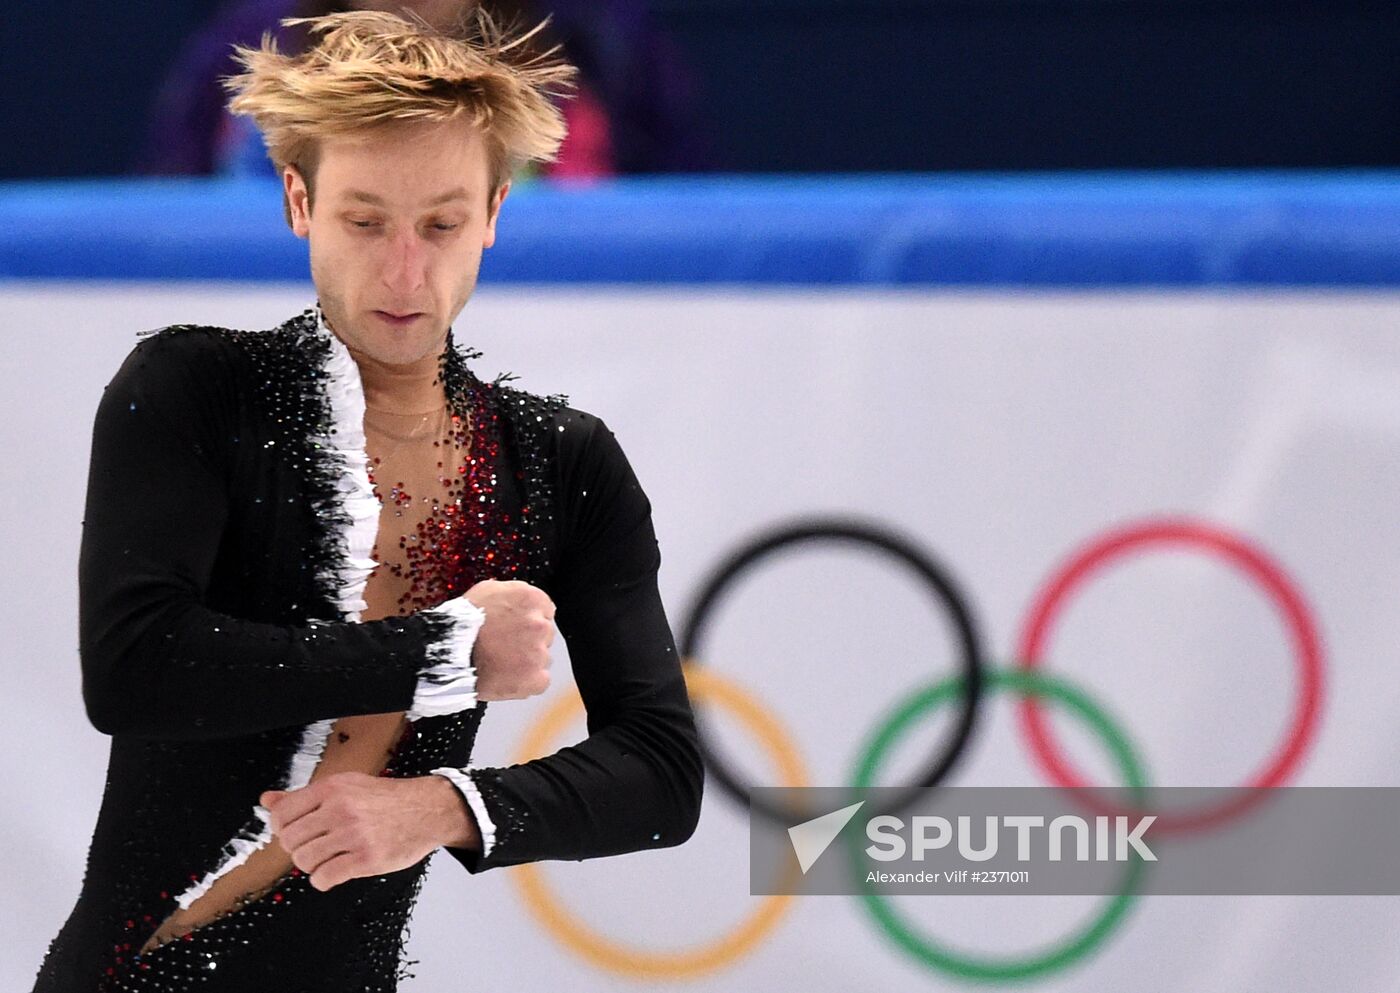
397,225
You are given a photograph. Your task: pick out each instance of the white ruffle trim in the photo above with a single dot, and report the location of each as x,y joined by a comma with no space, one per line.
462,779
347,439
447,683
345,392
249,840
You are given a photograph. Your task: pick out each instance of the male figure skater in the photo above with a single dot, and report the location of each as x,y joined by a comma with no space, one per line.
311,554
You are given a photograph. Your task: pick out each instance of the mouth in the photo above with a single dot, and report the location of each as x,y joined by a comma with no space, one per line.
398,319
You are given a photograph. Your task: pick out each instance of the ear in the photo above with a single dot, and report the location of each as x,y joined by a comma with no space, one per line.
298,200
493,212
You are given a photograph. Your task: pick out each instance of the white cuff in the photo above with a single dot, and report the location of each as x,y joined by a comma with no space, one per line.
472,795
447,683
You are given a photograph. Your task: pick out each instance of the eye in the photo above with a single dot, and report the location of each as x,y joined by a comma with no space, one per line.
441,226
365,224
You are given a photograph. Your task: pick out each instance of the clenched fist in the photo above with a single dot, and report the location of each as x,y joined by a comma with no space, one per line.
511,652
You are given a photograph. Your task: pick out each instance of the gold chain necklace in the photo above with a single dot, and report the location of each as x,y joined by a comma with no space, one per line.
415,433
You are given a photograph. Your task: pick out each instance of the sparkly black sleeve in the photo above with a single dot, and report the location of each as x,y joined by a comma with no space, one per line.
635,782
156,660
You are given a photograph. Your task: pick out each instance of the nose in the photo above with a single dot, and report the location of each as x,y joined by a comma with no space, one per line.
405,265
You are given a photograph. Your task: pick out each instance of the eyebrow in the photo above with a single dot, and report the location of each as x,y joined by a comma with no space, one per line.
456,193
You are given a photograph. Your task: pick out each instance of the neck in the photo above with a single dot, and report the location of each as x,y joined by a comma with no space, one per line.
414,388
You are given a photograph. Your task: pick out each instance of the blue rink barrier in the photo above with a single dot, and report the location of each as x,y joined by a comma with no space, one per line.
1338,229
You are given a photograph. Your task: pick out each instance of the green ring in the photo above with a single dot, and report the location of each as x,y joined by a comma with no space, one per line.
1075,947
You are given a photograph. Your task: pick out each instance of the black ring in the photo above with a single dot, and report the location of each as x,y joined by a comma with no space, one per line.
904,549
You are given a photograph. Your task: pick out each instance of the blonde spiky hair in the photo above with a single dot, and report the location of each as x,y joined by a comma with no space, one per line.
371,70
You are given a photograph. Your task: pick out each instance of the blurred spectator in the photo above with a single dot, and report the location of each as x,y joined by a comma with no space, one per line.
634,110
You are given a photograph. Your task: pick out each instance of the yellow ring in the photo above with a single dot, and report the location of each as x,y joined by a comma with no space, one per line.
602,951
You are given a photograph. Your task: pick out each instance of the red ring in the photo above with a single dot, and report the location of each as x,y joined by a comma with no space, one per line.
1051,599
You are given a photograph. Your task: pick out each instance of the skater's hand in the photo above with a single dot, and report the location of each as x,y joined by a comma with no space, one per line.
511,651
352,824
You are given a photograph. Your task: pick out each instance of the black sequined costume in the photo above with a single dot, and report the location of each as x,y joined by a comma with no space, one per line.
216,643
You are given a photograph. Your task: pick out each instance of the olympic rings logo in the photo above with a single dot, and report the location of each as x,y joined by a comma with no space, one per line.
1027,679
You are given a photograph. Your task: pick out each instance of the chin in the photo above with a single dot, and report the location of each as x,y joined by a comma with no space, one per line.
391,341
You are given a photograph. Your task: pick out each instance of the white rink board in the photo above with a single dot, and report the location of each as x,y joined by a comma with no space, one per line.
1000,430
